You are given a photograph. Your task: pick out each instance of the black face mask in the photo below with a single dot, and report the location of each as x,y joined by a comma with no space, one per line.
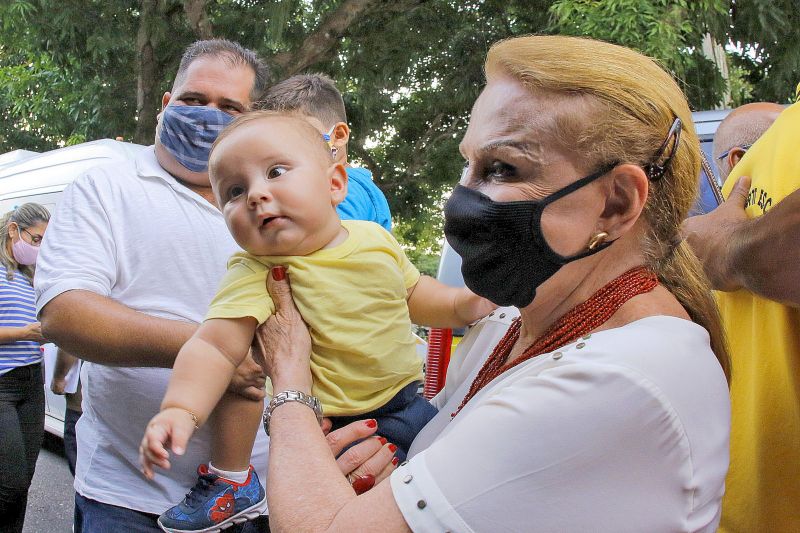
504,254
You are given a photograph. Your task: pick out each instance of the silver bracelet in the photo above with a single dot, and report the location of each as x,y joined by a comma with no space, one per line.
292,396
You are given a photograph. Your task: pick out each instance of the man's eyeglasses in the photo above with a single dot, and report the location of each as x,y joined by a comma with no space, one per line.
744,147
36,240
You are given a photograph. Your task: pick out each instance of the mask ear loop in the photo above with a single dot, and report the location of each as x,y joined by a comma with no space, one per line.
327,138
656,171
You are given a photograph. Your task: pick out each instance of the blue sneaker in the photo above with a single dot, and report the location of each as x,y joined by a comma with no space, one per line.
215,503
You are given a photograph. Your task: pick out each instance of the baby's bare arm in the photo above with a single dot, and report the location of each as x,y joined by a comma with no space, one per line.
434,304
206,363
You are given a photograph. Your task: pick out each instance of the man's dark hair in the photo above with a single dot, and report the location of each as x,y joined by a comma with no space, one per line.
314,95
232,52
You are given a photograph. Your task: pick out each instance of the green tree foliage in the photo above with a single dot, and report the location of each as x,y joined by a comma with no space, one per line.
766,34
668,30
66,72
74,70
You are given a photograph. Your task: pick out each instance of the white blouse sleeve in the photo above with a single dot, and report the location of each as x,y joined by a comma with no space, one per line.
577,447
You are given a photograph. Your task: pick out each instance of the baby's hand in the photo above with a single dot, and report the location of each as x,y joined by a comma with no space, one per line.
172,427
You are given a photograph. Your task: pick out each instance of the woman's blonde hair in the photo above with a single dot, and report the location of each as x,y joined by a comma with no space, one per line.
24,217
629,104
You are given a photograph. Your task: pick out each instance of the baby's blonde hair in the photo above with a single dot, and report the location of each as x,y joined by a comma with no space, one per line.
629,104
252,116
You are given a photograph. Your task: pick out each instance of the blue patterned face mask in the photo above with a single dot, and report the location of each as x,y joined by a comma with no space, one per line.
187,132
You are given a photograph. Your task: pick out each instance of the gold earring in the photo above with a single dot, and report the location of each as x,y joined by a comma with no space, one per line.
597,239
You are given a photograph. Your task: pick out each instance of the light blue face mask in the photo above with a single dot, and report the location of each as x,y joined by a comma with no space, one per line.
187,132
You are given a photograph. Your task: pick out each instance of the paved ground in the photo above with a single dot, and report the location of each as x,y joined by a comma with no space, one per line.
51,498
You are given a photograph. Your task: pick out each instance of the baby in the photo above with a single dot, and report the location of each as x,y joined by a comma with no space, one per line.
276,182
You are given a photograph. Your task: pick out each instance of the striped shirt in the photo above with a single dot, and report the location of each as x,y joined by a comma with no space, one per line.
17,309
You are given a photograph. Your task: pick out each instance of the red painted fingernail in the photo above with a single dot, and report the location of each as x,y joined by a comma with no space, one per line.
363,483
278,273
395,461
392,448
382,440
371,423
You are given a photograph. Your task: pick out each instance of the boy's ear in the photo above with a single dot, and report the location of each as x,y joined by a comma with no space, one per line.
337,176
341,135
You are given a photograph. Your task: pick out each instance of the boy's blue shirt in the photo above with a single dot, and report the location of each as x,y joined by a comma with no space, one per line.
364,200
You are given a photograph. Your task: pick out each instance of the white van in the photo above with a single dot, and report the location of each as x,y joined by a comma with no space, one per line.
41,177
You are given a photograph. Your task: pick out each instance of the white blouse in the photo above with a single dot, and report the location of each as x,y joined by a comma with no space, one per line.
624,430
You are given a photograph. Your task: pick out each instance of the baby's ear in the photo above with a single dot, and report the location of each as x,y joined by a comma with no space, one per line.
337,175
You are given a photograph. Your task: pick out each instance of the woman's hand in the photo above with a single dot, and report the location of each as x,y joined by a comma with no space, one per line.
248,380
32,332
282,345
367,463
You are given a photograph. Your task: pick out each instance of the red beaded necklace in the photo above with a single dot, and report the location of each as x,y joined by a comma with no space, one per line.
579,321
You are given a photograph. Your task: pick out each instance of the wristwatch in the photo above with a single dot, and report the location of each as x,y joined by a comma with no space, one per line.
292,396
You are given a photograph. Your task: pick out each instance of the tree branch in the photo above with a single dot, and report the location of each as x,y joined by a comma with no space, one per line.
322,43
418,159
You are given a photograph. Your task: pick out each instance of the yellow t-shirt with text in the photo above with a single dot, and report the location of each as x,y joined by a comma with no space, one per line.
353,298
763,485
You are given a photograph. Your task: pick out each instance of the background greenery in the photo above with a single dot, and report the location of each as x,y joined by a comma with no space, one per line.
78,70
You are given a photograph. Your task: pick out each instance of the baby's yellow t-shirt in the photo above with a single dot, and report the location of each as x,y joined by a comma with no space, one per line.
353,298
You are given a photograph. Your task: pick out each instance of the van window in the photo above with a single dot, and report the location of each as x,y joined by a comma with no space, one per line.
48,200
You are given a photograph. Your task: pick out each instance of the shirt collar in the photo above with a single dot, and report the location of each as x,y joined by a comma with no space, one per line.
147,167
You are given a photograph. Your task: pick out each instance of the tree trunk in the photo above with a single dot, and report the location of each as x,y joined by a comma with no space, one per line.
148,100
198,18
323,43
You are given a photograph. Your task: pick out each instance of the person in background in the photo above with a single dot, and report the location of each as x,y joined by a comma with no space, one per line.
316,98
604,406
21,384
64,363
739,131
750,250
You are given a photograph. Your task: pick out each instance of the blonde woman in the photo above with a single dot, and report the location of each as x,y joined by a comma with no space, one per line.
21,387
604,406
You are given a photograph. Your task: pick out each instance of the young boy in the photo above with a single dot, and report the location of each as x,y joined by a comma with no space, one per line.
316,98
275,181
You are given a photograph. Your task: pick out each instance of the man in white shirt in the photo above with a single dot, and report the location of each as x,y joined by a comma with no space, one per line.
127,272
